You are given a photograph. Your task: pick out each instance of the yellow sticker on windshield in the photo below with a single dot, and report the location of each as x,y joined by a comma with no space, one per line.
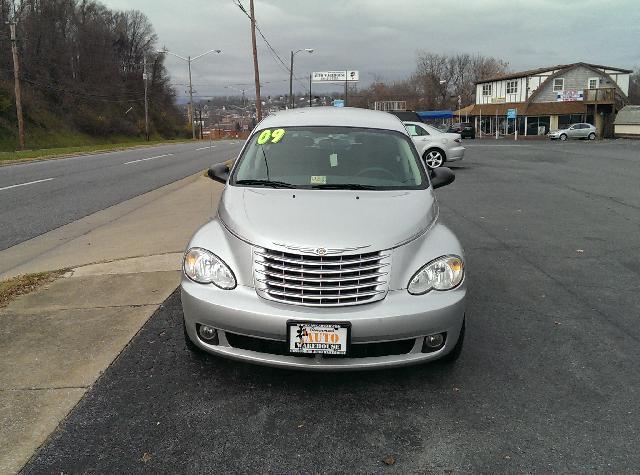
277,135
318,180
270,135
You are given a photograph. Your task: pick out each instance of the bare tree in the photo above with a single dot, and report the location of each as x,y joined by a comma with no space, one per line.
634,87
81,68
441,78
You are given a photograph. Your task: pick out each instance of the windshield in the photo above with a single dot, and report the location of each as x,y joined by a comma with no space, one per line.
330,157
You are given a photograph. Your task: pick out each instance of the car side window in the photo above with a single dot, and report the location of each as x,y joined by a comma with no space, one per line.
411,129
415,130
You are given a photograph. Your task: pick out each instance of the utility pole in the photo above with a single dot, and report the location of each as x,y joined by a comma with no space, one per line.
292,102
310,76
193,127
346,88
16,79
146,98
256,71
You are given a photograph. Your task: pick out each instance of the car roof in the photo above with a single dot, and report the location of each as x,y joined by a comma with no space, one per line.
333,117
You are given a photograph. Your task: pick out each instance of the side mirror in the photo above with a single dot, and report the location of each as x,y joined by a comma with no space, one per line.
219,172
441,176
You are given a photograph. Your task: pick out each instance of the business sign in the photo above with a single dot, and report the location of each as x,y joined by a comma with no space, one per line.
335,76
570,95
511,113
338,103
498,100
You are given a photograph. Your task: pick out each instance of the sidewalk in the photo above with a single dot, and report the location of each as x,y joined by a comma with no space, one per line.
57,340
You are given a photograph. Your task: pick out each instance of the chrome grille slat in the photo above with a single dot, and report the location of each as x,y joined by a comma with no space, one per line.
306,270
320,262
317,279
325,288
321,280
320,297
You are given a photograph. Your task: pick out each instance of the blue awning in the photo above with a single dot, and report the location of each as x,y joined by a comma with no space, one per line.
435,115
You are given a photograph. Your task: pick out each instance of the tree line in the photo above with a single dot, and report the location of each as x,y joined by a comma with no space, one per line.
439,79
81,68
436,83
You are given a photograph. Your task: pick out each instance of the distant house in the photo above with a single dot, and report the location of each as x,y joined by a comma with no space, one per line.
627,123
550,98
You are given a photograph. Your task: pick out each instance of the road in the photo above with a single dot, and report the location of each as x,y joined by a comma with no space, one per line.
40,196
548,380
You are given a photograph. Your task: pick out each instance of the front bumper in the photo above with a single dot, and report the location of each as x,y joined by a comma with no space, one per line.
400,316
455,153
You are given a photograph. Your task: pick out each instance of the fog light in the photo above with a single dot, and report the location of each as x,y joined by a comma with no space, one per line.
433,342
208,334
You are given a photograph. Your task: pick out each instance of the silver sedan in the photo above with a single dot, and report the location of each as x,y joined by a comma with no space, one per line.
434,146
575,131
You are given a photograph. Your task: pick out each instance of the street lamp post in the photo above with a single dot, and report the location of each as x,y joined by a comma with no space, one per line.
189,59
293,53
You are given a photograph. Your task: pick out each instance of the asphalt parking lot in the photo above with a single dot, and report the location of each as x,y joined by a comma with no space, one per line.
548,380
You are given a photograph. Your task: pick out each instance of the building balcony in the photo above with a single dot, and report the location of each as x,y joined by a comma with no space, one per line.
601,95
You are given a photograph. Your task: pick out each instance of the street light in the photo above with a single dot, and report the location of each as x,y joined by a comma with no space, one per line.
188,59
293,53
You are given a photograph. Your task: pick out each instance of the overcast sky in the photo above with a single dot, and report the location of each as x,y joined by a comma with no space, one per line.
381,38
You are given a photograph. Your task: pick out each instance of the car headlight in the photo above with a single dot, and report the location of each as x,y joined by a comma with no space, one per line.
443,273
205,267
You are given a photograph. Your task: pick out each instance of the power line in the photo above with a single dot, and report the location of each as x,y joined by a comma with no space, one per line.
286,68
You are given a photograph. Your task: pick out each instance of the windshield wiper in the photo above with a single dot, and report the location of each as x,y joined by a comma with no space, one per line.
345,186
272,184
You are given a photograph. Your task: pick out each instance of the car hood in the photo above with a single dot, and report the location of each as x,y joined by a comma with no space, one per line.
337,220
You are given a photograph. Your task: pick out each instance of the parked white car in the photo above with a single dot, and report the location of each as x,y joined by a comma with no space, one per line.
575,131
434,146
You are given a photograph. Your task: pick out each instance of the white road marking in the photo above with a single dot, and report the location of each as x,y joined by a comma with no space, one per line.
497,145
204,148
25,184
150,158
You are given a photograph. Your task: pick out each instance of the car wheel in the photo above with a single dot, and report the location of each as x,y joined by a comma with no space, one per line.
592,136
454,354
563,137
434,158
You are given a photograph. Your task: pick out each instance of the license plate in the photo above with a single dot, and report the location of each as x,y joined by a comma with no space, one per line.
318,337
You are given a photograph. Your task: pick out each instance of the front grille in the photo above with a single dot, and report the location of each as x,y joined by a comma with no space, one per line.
358,350
306,279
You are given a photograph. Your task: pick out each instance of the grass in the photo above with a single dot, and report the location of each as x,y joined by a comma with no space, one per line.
62,151
23,284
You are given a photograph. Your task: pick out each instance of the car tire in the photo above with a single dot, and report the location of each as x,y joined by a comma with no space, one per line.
454,354
434,158
592,136
563,137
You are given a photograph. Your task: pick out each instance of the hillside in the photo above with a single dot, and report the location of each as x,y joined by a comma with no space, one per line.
81,70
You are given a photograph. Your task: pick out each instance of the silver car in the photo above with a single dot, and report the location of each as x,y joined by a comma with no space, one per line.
327,251
435,146
575,131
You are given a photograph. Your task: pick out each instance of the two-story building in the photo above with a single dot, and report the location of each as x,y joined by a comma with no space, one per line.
550,98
